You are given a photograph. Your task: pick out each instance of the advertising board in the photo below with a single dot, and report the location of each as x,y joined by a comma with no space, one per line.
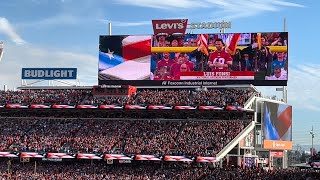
49,73
277,126
260,59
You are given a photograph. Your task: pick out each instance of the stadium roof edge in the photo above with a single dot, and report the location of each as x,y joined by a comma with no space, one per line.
139,87
53,87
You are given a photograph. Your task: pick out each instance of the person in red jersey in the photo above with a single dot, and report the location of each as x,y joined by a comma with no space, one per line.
166,61
219,59
183,68
162,74
175,68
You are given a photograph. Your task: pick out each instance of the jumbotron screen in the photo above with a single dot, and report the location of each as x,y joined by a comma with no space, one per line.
277,126
260,59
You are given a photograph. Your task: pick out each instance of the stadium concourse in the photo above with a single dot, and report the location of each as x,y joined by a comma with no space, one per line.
180,140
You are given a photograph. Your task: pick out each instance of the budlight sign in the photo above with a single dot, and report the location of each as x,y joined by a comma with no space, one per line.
49,73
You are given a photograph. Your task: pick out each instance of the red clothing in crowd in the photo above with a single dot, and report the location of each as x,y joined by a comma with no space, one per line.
163,63
162,78
175,69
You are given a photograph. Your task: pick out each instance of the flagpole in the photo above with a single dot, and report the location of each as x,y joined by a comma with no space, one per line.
110,29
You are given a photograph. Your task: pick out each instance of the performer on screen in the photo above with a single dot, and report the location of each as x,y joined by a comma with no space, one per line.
262,56
199,58
219,60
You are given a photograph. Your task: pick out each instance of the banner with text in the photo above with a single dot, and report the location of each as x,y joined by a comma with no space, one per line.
49,73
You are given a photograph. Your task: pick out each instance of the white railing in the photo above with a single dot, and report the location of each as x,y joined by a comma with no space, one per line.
236,140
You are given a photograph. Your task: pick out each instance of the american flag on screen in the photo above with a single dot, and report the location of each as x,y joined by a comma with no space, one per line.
124,57
203,40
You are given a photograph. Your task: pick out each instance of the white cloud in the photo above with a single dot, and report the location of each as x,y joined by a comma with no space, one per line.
60,19
126,24
228,9
164,4
7,29
27,56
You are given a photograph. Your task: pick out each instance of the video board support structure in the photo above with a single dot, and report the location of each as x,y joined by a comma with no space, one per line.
285,99
284,90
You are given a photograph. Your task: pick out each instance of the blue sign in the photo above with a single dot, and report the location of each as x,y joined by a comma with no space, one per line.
49,73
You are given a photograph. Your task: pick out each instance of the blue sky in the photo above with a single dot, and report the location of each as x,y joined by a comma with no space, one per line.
64,33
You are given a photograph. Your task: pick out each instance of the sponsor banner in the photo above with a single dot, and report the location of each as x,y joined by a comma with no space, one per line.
211,25
278,154
235,108
234,75
117,156
169,83
110,107
170,26
7,154
86,106
159,107
38,106
31,155
210,108
62,106
88,156
277,145
177,158
49,73
135,107
59,155
124,161
52,160
147,158
207,159
13,106
184,107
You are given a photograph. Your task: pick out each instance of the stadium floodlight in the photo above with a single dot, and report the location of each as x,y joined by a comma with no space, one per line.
312,136
1,49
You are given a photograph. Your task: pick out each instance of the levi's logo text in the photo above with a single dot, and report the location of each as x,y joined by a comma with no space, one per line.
170,26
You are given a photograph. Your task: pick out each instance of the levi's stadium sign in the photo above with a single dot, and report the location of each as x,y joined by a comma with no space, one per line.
170,26
211,25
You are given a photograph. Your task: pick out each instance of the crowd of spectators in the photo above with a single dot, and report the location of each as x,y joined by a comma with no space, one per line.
215,97
101,171
204,138
26,97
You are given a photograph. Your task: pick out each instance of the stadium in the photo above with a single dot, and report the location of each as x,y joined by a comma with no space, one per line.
172,105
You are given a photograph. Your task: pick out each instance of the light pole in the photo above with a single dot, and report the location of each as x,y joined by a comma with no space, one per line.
312,136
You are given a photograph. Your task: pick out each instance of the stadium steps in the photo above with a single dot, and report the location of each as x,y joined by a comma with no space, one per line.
236,140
